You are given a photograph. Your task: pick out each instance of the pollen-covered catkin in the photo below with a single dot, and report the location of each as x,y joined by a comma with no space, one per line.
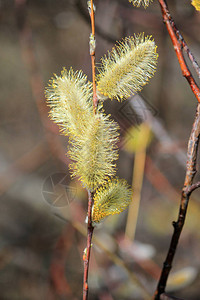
196,4
110,199
95,153
127,68
138,3
70,99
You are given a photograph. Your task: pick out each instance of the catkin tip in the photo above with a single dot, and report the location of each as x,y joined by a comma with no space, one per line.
138,3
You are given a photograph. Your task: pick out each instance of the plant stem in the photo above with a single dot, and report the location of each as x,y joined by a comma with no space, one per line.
90,194
185,47
188,187
92,54
88,248
178,48
186,192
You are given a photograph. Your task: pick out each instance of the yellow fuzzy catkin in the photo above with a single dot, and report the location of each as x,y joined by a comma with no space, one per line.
70,99
127,68
196,4
93,138
138,3
111,198
94,154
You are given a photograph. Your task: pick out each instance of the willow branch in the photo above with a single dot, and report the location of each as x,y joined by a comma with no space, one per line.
88,248
193,187
178,49
186,192
185,47
112,256
90,195
92,53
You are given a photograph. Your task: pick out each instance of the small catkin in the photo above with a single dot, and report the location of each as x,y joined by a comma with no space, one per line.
138,3
127,68
94,154
111,198
196,4
70,99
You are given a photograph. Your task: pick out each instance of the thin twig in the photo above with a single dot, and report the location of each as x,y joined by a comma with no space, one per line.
90,194
190,173
92,53
177,47
193,187
112,256
88,249
185,47
84,14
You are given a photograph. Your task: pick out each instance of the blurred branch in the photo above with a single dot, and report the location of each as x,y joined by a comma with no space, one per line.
164,187
166,297
27,163
36,81
138,105
57,269
190,173
137,181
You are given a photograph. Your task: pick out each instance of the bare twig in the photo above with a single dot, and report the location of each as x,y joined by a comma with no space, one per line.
177,47
193,187
90,194
186,191
92,53
81,9
191,153
112,256
185,47
88,249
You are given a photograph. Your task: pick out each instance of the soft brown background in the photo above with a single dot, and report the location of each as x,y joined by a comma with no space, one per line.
55,35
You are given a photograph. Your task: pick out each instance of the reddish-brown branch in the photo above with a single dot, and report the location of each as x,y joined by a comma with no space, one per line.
186,192
90,229
88,248
185,47
177,47
92,54
188,187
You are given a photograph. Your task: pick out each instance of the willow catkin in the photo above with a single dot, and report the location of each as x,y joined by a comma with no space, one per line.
94,154
138,3
111,198
127,68
196,4
70,99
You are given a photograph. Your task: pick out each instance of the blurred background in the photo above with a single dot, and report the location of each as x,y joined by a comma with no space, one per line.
42,211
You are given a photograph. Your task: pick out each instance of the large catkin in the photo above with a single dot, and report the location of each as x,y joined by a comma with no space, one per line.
127,68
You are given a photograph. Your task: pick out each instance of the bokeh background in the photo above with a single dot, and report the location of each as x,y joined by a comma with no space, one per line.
42,211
